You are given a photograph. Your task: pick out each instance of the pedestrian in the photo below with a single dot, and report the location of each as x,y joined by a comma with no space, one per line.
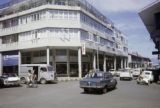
29,77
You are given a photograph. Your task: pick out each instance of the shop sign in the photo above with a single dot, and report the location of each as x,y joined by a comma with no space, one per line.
10,59
83,49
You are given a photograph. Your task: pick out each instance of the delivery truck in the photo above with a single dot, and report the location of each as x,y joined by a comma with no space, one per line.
44,73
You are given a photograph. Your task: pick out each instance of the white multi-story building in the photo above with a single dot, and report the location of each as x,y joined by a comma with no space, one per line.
71,35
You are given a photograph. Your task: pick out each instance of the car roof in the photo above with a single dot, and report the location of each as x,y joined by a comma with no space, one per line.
148,71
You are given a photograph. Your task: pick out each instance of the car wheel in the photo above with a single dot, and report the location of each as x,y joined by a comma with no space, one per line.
86,90
104,90
43,81
23,80
137,82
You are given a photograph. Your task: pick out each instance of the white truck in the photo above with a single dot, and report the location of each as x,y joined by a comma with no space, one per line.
43,72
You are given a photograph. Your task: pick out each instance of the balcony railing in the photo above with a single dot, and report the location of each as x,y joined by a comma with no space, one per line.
43,42
5,8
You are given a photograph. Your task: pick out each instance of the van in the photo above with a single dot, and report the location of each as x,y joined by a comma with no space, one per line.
45,73
136,72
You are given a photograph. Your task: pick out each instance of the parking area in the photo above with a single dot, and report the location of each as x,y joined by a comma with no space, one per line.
68,95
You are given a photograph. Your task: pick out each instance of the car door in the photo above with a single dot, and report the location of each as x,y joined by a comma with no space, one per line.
43,73
112,81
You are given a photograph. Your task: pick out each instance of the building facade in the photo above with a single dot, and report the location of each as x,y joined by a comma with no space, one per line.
71,35
150,16
137,61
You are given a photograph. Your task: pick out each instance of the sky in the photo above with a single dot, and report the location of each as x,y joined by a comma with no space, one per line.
124,15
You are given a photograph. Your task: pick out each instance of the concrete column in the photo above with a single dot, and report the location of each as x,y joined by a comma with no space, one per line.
94,61
80,62
19,61
68,63
1,64
104,64
98,58
48,54
115,63
54,59
124,62
121,63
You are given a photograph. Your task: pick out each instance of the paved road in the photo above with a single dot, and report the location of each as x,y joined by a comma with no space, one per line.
68,95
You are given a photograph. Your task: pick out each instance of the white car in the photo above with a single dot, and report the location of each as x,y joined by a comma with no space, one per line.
148,75
119,71
112,71
9,79
143,80
126,75
136,72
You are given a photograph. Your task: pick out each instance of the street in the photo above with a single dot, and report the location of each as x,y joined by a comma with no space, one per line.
68,95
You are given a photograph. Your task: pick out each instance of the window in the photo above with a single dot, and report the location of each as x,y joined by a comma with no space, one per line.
61,69
95,38
43,69
10,39
84,35
73,70
73,53
50,68
61,52
95,24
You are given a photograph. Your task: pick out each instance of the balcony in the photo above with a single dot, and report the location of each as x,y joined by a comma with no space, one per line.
40,24
39,43
22,5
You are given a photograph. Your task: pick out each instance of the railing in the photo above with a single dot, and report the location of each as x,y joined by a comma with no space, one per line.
40,42
80,3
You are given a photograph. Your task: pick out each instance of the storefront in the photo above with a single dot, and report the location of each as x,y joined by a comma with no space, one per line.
10,62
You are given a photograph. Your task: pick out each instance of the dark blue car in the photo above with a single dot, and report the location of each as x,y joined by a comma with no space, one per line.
98,81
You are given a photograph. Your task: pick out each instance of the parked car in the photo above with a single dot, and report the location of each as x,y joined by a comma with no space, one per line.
113,72
8,79
119,71
148,75
136,72
98,81
126,75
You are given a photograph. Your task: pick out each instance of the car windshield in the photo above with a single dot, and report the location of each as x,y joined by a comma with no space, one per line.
9,75
147,73
50,68
94,75
43,69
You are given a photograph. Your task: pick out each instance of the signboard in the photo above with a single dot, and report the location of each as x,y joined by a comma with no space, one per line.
155,52
10,59
83,49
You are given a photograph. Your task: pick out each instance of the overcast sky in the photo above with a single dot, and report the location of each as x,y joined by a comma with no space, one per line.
124,14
